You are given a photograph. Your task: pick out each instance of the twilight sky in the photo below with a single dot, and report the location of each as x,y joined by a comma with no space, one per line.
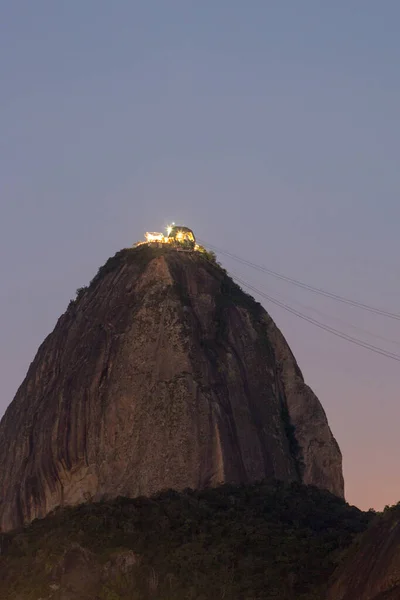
270,128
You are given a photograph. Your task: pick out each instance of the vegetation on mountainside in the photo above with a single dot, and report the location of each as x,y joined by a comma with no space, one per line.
140,255
371,570
249,542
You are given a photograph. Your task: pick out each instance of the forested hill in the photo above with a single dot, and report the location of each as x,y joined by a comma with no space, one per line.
256,541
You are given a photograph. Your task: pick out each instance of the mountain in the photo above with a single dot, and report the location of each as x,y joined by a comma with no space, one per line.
264,541
161,374
372,568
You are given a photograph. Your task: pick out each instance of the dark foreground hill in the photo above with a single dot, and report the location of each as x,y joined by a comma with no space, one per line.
263,541
162,374
372,569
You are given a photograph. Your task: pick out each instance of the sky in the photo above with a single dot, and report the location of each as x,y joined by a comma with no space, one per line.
272,129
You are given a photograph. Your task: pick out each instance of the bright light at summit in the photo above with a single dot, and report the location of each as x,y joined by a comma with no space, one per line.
178,237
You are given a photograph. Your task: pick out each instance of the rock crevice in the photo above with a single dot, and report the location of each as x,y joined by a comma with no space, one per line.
162,374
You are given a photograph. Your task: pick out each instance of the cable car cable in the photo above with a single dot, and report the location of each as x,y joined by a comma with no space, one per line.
337,319
306,286
327,328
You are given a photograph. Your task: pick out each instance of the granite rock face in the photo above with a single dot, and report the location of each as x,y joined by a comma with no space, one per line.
371,570
162,374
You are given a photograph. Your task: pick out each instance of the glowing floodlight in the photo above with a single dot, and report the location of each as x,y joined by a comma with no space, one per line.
154,237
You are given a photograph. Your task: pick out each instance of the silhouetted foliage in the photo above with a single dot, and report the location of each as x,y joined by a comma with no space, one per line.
79,292
140,256
236,542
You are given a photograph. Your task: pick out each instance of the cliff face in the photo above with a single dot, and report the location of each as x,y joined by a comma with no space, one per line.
372,569
162,374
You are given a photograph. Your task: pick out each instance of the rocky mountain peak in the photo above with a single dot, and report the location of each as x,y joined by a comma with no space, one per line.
162,373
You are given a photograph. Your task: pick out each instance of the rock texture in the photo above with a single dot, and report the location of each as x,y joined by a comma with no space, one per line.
372,569
162,374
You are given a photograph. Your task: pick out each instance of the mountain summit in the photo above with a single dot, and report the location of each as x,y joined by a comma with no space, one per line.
162,373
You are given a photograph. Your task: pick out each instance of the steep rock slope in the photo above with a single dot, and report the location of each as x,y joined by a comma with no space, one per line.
162,374
372,568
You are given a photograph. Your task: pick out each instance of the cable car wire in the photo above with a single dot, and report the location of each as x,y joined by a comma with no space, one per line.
337,319
323,326
306,286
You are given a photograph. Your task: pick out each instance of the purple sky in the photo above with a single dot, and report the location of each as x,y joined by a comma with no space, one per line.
271,129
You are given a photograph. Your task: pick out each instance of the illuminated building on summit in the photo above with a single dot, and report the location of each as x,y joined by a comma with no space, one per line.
178,236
